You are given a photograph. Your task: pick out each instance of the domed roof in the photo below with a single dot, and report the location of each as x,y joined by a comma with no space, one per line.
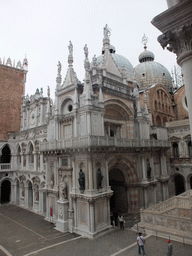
149,72
146,56
121,63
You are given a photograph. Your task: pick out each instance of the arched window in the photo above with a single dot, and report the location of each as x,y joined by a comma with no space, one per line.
6,155
19,155
31,156
159,106
158,121
175,150
163,107
155,105
166,108
158,95
190,148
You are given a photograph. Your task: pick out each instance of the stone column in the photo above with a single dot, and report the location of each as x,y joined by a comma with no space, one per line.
88,123
40,200
35,161
177,37
90,170
41,162
92,217
143,168
163,165
107,173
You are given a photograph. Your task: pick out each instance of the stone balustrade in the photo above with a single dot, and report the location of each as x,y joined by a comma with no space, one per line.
172,216
94,141
4,167
178,123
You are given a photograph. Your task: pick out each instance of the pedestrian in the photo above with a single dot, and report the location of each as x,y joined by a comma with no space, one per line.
115,214
169,248
112,220
121,221
140,243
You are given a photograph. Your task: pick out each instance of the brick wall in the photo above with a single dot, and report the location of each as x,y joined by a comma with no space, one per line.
11,92
181,108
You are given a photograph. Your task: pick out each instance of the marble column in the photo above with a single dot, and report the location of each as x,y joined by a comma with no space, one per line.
177,38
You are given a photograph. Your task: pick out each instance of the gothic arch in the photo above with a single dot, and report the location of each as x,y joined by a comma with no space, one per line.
117,105
63,103
122,178
5,156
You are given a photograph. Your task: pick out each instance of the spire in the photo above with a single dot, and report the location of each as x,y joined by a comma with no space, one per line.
87,81
144,41
58,79
48,112
25,63
106,40
75,99
71,77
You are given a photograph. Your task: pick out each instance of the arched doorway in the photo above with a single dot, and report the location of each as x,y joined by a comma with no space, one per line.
30,195
119,200
5,191
179,184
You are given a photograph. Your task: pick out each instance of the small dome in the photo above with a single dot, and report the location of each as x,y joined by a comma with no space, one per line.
146,56
121,62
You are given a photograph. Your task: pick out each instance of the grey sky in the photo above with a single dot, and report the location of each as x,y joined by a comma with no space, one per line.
42,30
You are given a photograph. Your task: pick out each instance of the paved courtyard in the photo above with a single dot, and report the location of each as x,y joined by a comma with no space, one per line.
25,233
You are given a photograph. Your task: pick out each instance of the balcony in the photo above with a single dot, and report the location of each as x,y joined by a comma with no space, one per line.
5,167
98,141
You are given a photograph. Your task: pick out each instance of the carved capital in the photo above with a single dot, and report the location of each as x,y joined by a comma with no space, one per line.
178,41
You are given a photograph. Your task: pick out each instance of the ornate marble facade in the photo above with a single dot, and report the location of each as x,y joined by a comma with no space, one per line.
103,144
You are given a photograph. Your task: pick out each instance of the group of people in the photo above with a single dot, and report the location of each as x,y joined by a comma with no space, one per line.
141,247
115,218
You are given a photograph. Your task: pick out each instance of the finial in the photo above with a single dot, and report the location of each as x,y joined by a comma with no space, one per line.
106,32
144,41
41,92
59,67
70,47
48,91
86,51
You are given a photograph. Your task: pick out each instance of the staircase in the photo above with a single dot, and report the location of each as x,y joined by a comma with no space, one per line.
171,217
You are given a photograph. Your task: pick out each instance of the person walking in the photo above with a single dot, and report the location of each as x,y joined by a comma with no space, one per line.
169,248
121,221
140,243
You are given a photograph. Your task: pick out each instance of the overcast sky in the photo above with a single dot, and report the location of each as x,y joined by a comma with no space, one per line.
42,30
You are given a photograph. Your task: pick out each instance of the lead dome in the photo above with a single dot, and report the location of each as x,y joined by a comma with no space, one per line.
149,72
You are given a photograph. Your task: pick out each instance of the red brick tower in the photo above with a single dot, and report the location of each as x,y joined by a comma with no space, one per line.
12,88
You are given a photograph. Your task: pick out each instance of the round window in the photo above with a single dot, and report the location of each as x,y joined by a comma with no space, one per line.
70,108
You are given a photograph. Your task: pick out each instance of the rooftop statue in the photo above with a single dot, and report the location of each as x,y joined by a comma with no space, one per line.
86,51
70,47
106,32
59,67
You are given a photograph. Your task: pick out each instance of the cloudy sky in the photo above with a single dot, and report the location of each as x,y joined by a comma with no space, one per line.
42,30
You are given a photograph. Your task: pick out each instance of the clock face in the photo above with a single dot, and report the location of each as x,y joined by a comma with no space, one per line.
32,119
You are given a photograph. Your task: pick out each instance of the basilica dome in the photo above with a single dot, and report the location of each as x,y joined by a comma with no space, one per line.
120,62
149,72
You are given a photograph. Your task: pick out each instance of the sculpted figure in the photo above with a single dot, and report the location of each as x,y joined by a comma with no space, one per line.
106,32
59,67
99,178
86,51
70,47
63,190
148,171
81,180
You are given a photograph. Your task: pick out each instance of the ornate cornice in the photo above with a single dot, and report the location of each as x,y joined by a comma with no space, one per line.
179,41
92,198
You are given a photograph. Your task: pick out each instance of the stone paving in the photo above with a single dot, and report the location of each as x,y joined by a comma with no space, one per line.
26,233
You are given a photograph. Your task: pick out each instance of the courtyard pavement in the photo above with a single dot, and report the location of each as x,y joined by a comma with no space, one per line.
25,233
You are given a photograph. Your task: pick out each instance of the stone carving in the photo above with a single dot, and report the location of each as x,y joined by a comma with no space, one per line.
70,47
63,190
60,212
94,59
86,51
99,179
36,192
52,178
148,171
59,67
81,180
106,32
